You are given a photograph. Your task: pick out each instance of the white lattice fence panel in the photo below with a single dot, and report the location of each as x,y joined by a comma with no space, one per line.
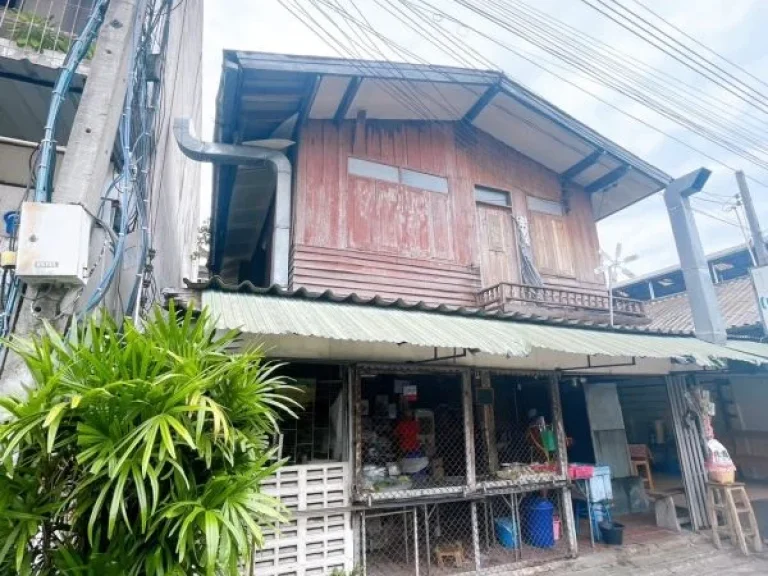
310,487
311,544
307,546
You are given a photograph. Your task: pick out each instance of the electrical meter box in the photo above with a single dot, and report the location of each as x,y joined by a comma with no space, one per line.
53,243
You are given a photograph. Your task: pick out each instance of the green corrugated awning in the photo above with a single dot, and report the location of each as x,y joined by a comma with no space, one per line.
282,316
754,348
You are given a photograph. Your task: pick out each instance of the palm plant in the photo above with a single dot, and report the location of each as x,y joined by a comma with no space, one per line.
140,451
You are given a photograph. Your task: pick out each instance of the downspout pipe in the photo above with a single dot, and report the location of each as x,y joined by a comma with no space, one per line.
216,153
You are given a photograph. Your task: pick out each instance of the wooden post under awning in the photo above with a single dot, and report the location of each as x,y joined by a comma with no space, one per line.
488,426
569,522
469,427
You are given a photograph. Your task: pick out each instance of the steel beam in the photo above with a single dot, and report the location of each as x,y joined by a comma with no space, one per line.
347,99
481,103
609,179
581,166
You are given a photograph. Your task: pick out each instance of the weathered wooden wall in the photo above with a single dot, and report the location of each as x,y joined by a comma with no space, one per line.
354,234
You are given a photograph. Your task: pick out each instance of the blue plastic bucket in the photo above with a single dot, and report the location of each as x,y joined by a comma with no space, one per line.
506,532
538,523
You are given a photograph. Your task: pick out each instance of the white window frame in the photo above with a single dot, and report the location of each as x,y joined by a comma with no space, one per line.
484,194
396,175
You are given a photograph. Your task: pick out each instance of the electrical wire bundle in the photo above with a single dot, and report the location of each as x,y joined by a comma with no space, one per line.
137,134
134,154
43,177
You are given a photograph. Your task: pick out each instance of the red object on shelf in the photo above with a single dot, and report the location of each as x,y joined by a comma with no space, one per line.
575,471
580,471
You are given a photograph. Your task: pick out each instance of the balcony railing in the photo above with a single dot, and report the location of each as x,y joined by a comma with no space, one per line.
43,26
508,297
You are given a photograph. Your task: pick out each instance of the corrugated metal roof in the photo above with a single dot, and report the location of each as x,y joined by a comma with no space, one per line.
735,297
755,348
217,283
280,316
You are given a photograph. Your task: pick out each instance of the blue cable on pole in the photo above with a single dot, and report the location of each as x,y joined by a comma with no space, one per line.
75,56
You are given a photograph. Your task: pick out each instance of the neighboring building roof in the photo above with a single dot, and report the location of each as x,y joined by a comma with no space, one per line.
735,297
736,261
317,316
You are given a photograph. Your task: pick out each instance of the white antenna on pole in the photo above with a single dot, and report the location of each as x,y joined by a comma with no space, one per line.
610,268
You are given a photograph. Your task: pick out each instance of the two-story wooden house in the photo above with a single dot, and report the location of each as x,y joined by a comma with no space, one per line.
424,257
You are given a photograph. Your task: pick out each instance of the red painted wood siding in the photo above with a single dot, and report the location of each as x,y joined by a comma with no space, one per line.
354,234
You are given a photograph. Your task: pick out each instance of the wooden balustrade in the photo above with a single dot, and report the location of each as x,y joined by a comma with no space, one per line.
496,297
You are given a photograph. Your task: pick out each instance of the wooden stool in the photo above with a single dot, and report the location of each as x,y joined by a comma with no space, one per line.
732,501
640,456
453,551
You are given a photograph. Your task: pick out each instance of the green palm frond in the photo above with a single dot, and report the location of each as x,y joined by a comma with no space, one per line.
139,450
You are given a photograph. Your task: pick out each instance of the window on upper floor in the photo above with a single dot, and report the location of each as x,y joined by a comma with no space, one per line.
404,176
545,206
550,238
491,196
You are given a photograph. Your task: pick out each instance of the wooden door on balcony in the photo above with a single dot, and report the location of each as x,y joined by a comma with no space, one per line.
499,260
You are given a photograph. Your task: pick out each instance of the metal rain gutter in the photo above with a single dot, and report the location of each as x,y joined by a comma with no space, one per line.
216,153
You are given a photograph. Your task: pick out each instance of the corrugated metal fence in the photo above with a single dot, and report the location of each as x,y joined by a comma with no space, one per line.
690,451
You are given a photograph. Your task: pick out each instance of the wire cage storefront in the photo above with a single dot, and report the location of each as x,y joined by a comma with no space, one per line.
460,470
412,440
516,421
485,534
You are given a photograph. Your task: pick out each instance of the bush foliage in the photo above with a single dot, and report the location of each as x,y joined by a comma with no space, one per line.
139,451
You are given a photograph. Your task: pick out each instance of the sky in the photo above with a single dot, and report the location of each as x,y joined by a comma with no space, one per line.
734,29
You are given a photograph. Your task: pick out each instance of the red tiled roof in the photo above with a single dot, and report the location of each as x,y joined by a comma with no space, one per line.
737,302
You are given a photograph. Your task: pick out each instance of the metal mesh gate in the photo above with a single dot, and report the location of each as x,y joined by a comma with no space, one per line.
486,534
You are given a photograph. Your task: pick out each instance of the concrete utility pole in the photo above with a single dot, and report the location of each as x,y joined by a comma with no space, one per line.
707,319
761,252
84,170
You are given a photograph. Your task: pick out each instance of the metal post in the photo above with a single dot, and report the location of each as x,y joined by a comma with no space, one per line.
365,544
416,542
426,539
405,530
475,536
761,252
610,298
707,319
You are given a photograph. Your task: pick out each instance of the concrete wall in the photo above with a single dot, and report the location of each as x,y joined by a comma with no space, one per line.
176,182
751,396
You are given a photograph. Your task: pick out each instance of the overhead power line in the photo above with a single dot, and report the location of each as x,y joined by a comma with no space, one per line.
701,45
575,52
673,48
